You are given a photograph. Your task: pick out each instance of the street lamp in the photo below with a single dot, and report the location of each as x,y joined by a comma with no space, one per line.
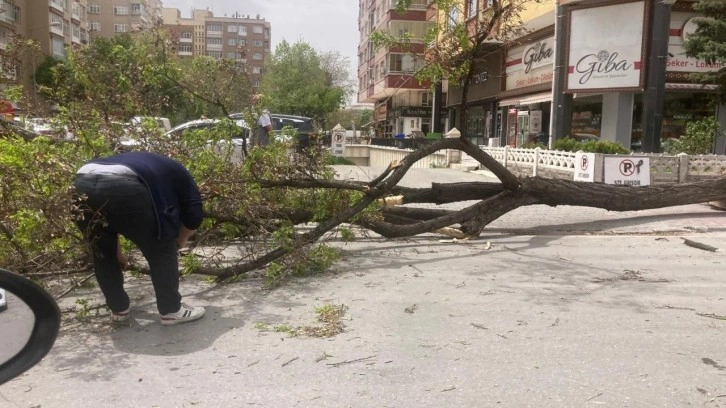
30,32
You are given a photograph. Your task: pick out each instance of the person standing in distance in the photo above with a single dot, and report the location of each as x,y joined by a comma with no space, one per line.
263,126
154,202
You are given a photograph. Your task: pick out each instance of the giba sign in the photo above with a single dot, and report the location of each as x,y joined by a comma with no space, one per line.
603,55
530,64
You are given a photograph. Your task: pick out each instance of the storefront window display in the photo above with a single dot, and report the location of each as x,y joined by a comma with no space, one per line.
587,115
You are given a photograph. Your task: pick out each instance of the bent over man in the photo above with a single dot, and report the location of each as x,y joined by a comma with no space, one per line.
154,202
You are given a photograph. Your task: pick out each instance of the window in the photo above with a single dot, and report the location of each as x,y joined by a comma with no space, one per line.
214,41
257,56
242,30
257,29
256,84
95,26
470,8
426,99
185,48
256,70
136,8
453,17
214,27
231,55
232,28
187,35
401,63
120,10
257,43
120,28
215,54
232,42
57,47
76,31
94,8
242,43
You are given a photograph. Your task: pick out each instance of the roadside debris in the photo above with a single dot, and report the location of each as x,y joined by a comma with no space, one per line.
699,245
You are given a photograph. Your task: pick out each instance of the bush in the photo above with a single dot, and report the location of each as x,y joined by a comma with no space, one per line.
569,144
698,139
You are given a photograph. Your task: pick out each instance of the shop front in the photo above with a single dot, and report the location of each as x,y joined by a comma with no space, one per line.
482,122
525,104
607,78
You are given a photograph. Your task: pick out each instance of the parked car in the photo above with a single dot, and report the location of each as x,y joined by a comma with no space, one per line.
584,137
162,123
3,300
302,124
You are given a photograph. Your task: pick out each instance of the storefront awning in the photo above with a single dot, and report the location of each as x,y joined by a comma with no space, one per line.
527,99
690,87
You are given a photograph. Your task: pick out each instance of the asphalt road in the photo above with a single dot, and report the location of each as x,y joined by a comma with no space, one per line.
550,307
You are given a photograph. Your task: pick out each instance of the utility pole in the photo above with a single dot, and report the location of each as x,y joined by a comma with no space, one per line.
652,118
561,116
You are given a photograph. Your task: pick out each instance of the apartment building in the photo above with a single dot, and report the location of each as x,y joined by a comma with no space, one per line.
107,18
386,75
235,37
54,24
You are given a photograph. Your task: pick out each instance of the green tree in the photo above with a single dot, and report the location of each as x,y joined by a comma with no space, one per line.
709,42
297,83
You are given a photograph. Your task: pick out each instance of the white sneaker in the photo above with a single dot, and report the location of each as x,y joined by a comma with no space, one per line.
120,316
185,314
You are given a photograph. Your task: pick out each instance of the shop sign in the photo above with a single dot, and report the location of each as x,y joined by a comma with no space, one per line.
381,112
682,25
416,111
602,54
627,171
531,64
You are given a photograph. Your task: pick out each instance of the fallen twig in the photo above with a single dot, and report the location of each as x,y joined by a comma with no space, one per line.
699,245
289,361
351,361
75,285
712,316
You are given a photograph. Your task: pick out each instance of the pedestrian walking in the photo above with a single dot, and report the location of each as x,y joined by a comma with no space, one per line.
154,202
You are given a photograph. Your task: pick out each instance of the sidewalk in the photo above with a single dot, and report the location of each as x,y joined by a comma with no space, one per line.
551,307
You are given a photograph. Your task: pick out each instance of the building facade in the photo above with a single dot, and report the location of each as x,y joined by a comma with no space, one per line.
607,95
54,24
386,75
107,18
236,37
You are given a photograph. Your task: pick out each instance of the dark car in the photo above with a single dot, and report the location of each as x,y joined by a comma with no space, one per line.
302,124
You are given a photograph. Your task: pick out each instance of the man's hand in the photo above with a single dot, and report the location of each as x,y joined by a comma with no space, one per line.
183,237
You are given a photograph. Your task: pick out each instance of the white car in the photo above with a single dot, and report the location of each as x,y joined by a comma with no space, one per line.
3,300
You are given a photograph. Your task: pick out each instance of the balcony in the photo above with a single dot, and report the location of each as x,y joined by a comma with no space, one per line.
214,34
57,4
57,30
390,84
185,40
214,47
185,53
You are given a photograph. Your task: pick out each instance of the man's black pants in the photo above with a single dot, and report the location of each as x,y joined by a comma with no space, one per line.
122,204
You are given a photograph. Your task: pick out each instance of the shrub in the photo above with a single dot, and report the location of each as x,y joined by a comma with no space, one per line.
698,139
569,144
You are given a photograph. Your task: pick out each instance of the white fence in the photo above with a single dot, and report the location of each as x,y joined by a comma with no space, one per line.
559,164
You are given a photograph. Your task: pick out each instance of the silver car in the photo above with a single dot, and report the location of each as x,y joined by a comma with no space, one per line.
3,300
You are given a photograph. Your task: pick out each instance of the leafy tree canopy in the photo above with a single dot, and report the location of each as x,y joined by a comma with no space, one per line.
297,83
709,41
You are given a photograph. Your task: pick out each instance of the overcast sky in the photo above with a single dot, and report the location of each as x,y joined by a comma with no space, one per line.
327,25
